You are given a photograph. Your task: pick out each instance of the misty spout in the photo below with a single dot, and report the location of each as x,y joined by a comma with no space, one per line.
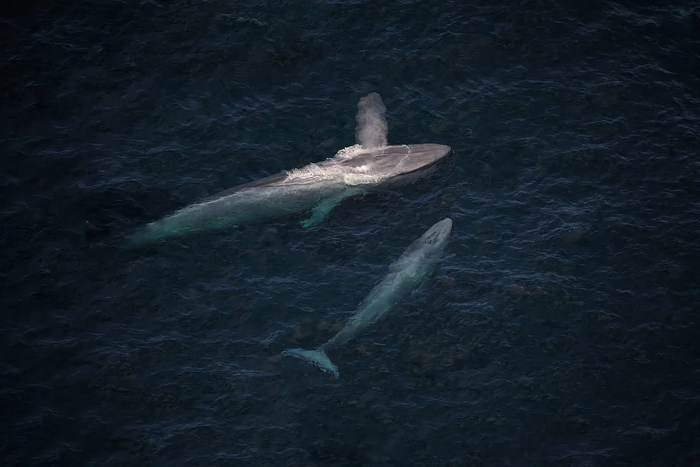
372,127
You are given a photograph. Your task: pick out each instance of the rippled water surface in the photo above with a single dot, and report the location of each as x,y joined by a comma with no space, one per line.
561,330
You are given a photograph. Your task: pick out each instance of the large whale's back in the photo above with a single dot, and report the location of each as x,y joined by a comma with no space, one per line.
391,160
272,180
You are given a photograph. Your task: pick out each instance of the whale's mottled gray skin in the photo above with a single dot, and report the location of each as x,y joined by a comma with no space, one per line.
316,187
405,274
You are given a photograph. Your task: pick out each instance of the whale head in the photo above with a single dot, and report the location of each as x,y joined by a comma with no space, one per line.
435,238
402,164
356,165
426,250
395,161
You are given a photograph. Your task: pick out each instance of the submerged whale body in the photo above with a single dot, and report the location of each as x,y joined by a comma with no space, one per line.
405,274
317,187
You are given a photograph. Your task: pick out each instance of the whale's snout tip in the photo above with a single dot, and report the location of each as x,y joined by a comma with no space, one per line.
439,151
444,227
444,149
438,233
446,223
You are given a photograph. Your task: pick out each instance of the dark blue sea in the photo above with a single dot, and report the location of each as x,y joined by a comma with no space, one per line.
562,328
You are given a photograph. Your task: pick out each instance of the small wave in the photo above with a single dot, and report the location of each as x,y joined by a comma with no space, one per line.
349,152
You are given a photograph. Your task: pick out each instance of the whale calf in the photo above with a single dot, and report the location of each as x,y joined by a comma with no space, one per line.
317,187
405,274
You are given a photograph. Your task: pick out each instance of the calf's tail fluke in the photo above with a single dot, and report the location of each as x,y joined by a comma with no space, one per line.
317,358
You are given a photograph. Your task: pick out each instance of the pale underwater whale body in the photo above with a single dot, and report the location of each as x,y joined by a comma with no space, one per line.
317,187
405,274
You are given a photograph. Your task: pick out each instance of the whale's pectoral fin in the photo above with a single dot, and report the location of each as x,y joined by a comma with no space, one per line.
322,209
424,284
420,288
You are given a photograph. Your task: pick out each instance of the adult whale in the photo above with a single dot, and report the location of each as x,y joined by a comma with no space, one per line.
317,187
405,274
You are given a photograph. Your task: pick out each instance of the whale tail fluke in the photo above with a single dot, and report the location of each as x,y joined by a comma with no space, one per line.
149,235
137,240
317,358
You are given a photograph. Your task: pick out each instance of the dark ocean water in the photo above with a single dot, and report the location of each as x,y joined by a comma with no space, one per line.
563,329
